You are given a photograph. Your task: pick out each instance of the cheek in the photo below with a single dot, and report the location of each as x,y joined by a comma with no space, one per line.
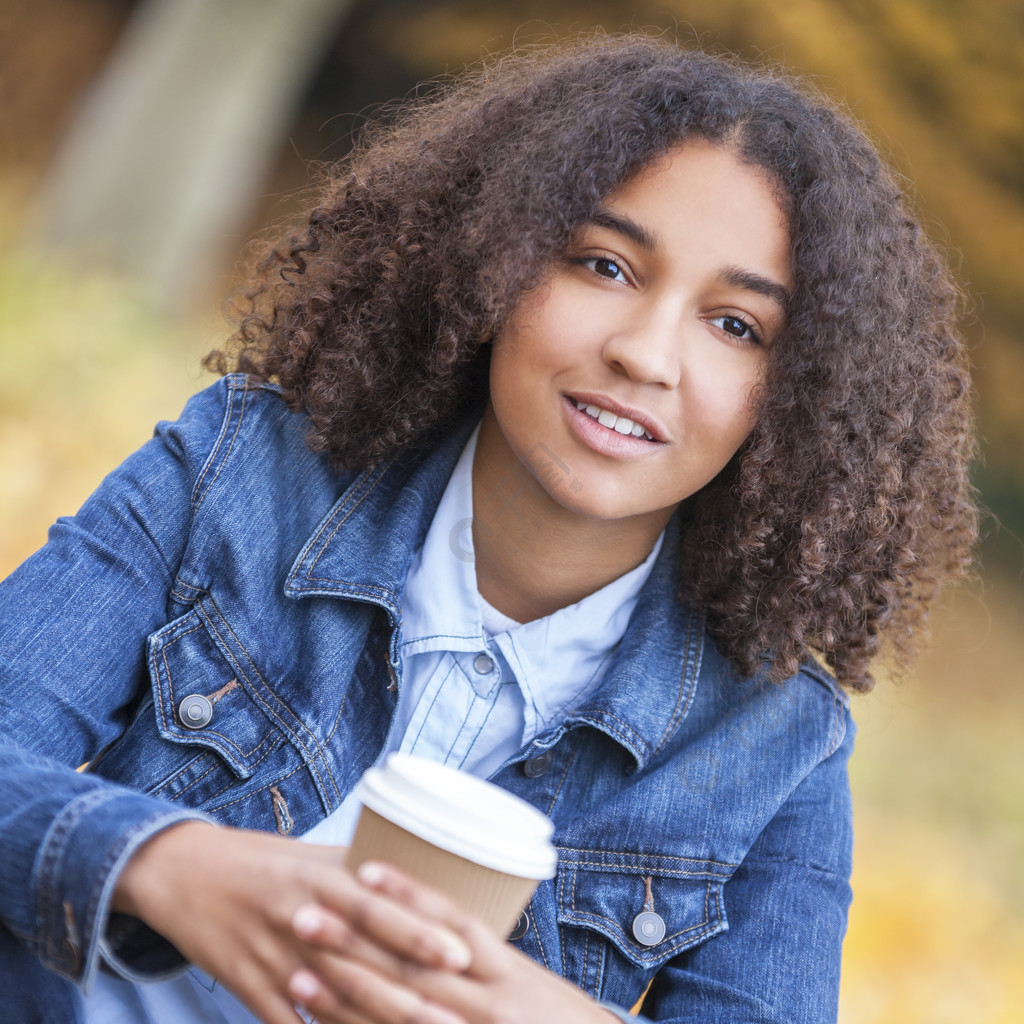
729,411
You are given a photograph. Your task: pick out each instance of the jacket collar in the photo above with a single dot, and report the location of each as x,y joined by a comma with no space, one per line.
651,682
363,547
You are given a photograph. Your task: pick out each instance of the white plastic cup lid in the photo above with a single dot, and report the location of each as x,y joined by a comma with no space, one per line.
462,814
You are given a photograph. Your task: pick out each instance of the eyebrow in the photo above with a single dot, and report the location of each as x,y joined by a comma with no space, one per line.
753,282
626,226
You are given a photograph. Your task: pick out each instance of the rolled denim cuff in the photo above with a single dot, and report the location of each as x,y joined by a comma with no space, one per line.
78,867
133,951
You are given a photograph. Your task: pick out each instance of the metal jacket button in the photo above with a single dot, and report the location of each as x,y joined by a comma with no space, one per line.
195,711
483,663
521,928
535,767
648,928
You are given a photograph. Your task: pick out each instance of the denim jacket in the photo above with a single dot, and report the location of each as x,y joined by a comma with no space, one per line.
226,560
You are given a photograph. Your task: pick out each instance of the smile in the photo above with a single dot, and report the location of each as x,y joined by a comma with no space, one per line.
620,424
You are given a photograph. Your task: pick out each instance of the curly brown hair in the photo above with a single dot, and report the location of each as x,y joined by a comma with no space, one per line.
848,504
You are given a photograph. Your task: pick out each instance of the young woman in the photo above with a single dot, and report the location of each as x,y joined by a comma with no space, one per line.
604,417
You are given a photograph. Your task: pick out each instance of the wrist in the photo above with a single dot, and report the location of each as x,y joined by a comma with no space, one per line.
150,867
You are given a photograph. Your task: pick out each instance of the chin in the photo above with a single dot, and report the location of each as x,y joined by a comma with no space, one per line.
587,502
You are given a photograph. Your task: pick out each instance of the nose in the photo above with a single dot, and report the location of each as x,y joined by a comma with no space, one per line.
647,346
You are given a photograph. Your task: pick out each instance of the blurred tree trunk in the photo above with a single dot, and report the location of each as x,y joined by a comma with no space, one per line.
160,167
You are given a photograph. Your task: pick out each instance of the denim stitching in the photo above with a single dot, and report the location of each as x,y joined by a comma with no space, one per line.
255,792
360,489
536,931
259,698
185,767
664,872
148,826
227,454
572,905
52,851
211,458
247,755
615,928
198,498
194,593
565,775
633,861
228,783
602,958
625,733
691,673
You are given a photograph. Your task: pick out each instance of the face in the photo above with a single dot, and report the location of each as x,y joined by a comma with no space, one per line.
625,382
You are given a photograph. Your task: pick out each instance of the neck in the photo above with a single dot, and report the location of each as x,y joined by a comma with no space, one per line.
535,555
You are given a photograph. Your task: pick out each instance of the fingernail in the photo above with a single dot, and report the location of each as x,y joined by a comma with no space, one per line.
370,873
306,922
456,953
303,986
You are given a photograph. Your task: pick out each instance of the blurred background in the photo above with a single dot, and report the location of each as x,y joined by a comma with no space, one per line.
143,141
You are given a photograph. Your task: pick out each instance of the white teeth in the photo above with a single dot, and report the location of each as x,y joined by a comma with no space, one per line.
620,424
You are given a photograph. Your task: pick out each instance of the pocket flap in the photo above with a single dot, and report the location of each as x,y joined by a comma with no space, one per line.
185,661
606,892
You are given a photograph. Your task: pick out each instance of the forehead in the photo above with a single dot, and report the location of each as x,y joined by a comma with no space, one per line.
700,197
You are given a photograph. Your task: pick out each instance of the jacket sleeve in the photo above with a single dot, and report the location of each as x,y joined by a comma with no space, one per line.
73,624
779,960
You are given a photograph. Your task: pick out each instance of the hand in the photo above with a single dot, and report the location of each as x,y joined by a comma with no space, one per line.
228,900
500,986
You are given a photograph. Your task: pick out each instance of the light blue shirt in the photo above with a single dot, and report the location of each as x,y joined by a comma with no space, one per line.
476,687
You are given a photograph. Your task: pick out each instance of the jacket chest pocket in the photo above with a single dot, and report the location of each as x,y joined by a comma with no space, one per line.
206,727
204,695
622,916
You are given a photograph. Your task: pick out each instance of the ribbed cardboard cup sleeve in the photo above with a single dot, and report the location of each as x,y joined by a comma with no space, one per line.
494,897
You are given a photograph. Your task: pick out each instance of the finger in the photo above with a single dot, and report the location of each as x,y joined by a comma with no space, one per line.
271,1003
396,927
326,931
400,887
354,995
487,951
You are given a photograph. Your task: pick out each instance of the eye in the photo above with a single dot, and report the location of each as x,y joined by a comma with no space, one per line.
603,266
737,327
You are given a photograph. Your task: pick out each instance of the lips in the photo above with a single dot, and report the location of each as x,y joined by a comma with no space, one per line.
619,418
620,424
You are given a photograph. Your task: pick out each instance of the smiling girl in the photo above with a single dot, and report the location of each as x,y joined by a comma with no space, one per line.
604,417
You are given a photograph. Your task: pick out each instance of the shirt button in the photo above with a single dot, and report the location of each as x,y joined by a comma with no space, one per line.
648,928
535,767
195,711
483,663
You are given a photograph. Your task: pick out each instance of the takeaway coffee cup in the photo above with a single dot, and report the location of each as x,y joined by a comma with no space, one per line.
484,847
